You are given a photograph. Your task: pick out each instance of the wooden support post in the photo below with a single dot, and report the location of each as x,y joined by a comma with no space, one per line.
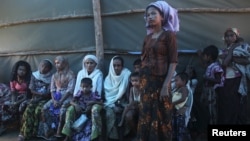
98,33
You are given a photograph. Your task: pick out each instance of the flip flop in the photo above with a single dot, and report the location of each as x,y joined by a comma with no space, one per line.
58,135
2,130
20,138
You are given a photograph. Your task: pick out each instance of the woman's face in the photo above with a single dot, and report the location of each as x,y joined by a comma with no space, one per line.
230,37
43,67
59,64
117,64
21,71
153,17
90,65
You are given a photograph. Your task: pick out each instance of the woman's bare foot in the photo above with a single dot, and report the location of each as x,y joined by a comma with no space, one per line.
120,124
66,138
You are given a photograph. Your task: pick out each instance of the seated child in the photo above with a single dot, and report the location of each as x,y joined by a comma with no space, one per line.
81,103
130,113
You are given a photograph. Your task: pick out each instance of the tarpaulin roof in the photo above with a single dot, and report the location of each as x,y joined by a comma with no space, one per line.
35,29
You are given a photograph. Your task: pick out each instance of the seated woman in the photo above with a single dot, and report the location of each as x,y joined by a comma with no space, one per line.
115,86
40,89
20,78
90,70
5,97
53,112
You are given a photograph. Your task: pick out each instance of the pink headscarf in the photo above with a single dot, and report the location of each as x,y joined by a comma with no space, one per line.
170,16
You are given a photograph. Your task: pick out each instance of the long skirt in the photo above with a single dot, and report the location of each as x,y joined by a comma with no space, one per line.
155,116
31,118
229,102
92,128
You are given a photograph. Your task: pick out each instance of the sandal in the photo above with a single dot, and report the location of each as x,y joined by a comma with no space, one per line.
20,138
58,135
2,130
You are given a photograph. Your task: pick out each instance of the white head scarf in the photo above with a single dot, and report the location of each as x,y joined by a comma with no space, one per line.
115,85
46,78
95,75
170,16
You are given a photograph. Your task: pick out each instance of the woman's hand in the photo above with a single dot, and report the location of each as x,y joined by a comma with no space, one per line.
78,108
165,92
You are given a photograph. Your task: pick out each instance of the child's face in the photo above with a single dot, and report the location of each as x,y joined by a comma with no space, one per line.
86,88
137,68
135,81
206,58
90,65
21,71
178,82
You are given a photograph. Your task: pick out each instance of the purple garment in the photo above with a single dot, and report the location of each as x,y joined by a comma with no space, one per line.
85,133
55,110
83,100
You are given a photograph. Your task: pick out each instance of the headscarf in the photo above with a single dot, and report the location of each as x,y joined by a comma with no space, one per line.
234,30
46,78
115,85
170,16
95,75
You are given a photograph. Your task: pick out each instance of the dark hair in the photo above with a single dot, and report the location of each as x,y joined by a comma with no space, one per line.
135,74
183,76
48,64
119,58
15,68
137,62
86,80
161,13
239,39
212,51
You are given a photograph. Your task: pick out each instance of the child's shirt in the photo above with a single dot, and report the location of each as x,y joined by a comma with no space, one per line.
135,94
211,70
177,95
83,99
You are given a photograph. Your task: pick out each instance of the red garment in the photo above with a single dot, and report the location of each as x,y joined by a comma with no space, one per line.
20,88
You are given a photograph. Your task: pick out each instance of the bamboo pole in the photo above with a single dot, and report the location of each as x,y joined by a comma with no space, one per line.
98,33
83,16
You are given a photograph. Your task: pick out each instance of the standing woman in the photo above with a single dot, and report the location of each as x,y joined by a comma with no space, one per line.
159,59
233,100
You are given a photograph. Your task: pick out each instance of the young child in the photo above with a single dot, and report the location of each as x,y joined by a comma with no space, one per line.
192,83
130,113
82,102
213,81
179,99
137,65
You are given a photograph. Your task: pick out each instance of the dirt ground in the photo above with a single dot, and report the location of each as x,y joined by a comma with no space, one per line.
12,132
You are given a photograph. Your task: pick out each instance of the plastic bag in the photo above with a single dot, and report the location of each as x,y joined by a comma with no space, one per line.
79,123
